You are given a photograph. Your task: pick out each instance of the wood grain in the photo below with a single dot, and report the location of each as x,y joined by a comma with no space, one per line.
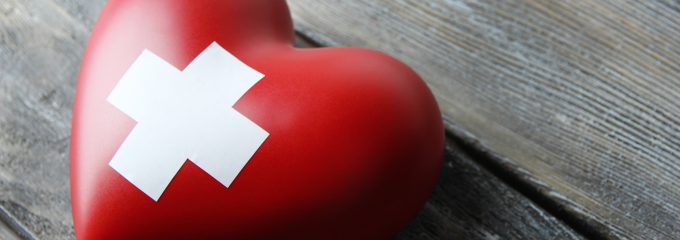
41,43
471,203
579,100
40,49
8,227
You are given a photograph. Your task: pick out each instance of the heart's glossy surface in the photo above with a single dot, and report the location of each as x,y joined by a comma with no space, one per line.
354,146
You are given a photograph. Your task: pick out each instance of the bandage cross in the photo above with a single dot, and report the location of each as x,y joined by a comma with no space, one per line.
185,115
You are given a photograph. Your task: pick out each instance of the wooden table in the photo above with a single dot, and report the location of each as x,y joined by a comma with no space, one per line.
563,117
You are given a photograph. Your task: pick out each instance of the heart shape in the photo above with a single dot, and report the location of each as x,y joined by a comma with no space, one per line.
349,142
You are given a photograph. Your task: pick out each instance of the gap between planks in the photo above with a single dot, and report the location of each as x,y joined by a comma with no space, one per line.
11,228
523,183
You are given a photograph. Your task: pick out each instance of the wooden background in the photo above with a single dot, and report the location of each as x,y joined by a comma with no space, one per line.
563,117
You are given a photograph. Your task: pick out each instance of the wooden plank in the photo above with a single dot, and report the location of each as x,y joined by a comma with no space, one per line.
7,231
471,203
576,99
41,43
11,228
40,50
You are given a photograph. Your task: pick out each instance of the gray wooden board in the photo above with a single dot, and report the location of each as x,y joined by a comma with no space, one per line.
577,100
40,50
471,203
41,44
9,229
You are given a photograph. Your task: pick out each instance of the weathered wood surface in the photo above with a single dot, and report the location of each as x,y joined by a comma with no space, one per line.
40,49
8,227
41,43
579,101
471,203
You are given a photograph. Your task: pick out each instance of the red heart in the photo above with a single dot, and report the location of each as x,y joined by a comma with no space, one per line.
354,136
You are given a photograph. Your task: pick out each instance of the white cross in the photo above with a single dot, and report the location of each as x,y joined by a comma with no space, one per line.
185,115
